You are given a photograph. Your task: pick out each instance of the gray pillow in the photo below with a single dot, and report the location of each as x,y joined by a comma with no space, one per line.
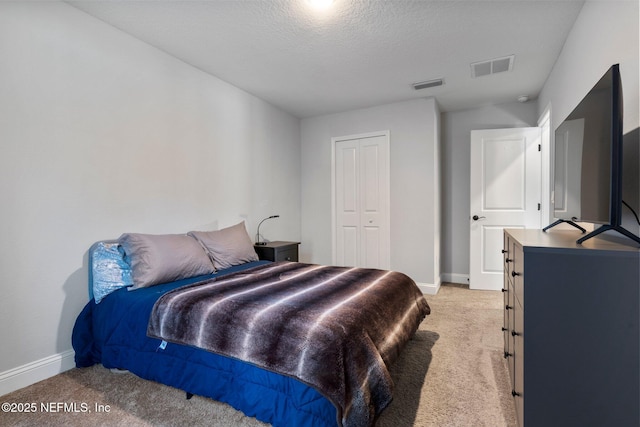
156,259
227,247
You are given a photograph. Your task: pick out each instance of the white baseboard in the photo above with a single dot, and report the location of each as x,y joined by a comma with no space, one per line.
31,373
455,278
429,288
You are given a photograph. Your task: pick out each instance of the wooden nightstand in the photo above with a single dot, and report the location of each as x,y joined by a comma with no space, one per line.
278,251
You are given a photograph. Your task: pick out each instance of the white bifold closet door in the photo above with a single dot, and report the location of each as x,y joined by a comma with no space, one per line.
361,201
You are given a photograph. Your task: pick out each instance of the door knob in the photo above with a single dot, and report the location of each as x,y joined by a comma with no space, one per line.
476,217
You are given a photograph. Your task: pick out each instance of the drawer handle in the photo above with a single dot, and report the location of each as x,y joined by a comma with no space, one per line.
507,354
504,329
514,274
515,334
515,393
504,290
508,307
508,260
504,251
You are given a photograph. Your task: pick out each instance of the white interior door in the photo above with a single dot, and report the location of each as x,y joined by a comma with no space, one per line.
361,201
568,169
505,193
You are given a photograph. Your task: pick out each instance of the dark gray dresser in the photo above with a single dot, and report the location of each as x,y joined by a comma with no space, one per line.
571,329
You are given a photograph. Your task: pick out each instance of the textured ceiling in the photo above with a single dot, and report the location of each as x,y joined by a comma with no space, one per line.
357,53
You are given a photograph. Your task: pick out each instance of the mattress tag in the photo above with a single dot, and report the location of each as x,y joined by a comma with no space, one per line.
163,345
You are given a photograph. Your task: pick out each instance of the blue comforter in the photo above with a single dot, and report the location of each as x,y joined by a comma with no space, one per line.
114,333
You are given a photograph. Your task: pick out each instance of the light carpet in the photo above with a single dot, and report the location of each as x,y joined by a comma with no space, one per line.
451,373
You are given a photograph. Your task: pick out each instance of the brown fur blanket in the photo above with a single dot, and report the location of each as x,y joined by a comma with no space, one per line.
337,329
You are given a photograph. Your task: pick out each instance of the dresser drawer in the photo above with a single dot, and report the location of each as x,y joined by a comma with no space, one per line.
508,258
287,255
510,312
278,251
516,274
518,362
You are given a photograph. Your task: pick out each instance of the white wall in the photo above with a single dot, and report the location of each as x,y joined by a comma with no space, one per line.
102,134
415,195
605,33
456,159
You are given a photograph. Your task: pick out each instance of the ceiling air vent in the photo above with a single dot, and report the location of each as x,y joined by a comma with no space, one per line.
492,66
428,84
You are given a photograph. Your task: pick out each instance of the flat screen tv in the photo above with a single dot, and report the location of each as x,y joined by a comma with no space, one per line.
588,161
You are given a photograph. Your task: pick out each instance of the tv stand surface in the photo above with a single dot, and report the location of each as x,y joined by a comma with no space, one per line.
597,231
564,221
608,227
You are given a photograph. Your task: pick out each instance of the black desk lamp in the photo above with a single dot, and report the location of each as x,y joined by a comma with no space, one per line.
258,242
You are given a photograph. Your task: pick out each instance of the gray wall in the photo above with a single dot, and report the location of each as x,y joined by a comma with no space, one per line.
415,199
456,159
102,134
605,33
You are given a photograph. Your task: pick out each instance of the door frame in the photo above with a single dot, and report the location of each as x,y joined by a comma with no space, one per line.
546,171
334,141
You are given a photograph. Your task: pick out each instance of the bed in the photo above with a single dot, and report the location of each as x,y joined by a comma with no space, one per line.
291,344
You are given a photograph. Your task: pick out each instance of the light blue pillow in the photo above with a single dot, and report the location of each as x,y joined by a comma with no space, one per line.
110,271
